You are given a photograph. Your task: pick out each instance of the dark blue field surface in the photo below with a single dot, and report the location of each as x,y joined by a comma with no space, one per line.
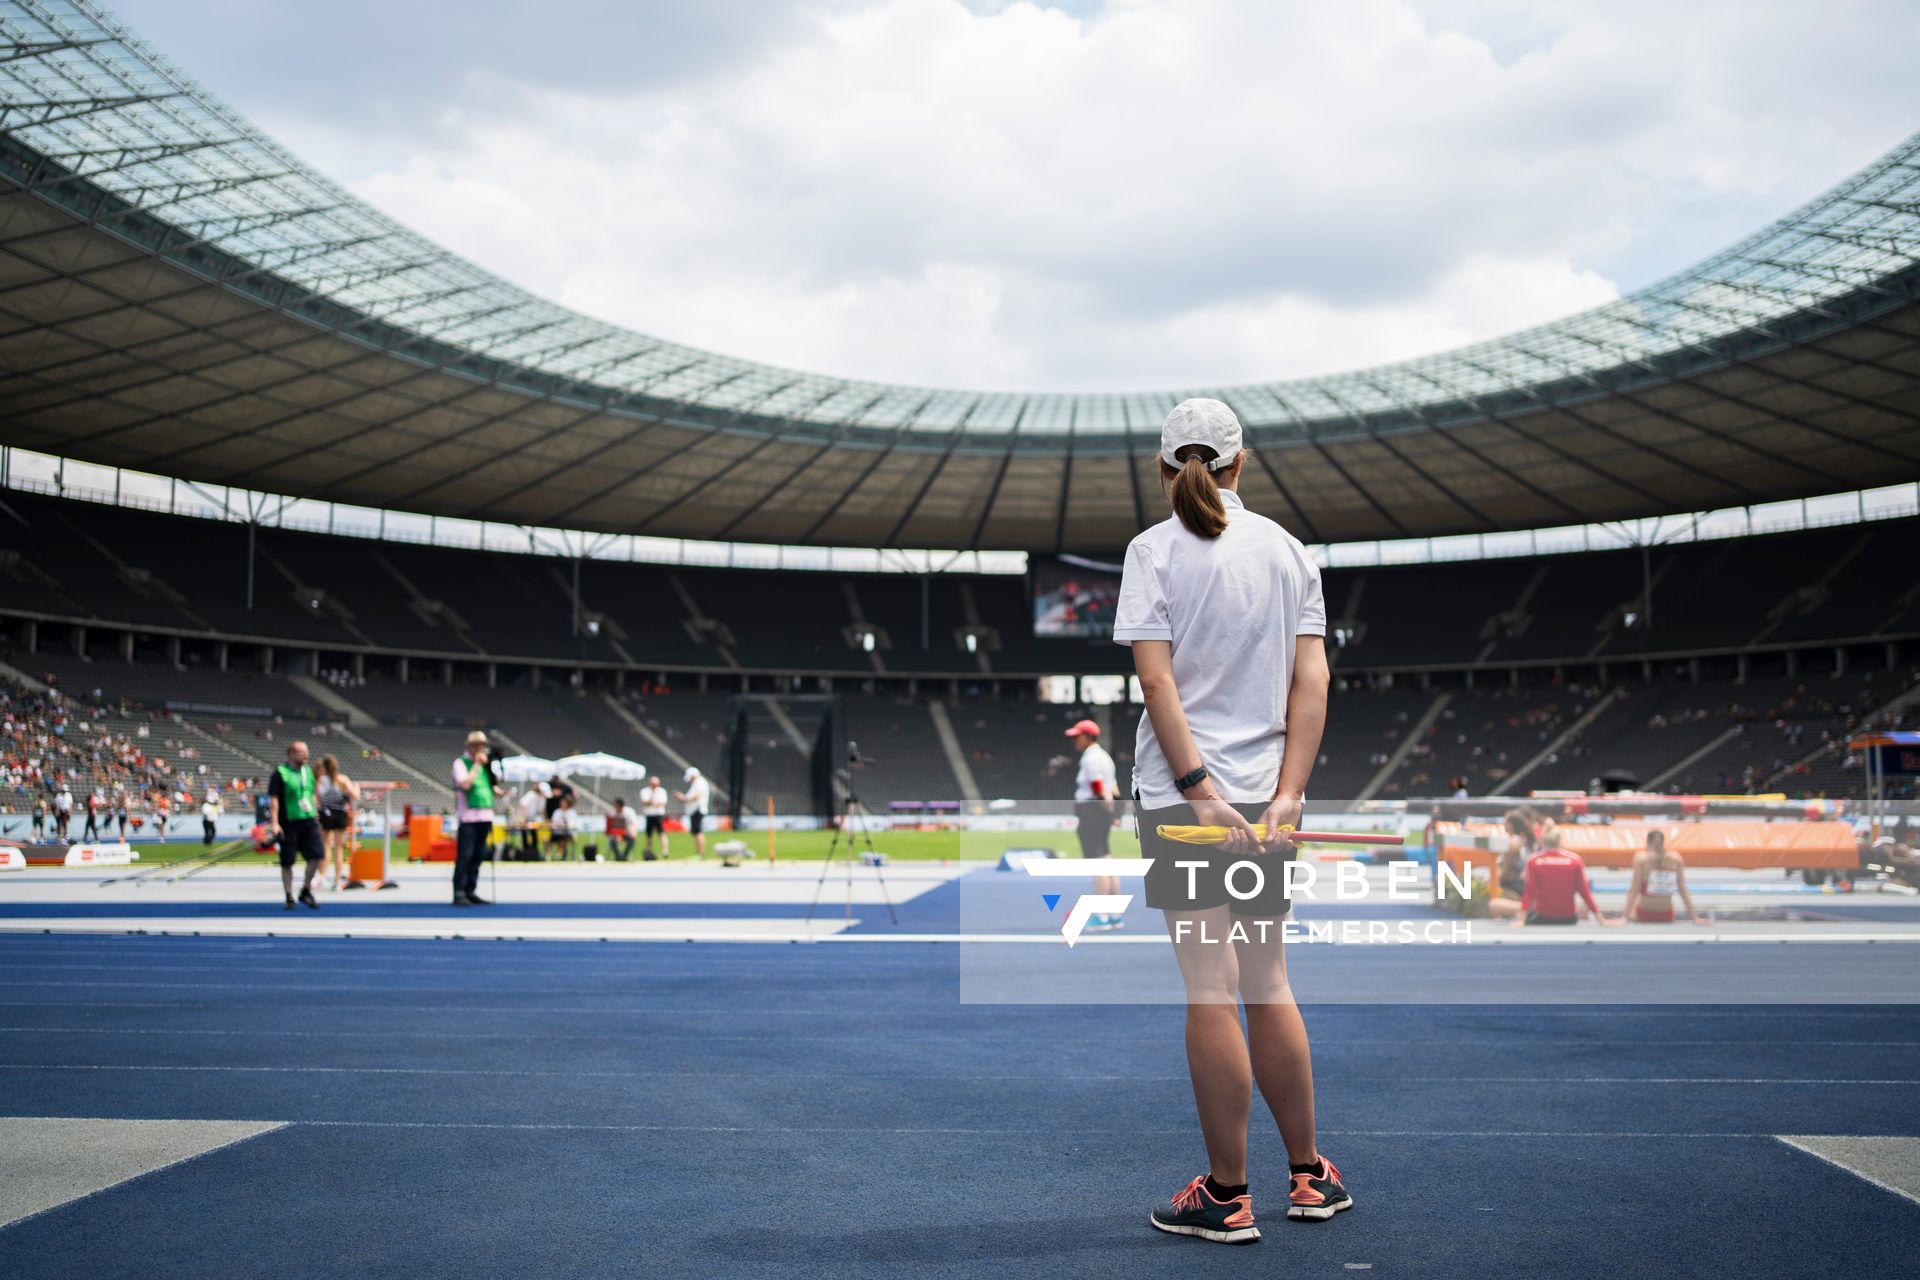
481,1109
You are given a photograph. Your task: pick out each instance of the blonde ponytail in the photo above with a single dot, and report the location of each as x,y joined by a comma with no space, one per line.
1194,492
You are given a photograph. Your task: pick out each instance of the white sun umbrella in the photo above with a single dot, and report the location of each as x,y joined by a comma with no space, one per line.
527,768
598,764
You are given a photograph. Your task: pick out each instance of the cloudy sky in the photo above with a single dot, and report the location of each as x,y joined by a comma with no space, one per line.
1091,195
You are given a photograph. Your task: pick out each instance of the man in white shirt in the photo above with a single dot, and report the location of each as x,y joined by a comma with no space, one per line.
560,829
63,810
695,800
653,807
209,812
533,808
1095,791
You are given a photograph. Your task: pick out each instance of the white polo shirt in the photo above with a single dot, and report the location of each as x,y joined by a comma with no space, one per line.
1231,607
653,802
696,794
1094,763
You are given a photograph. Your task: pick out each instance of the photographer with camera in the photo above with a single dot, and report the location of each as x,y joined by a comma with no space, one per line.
473,791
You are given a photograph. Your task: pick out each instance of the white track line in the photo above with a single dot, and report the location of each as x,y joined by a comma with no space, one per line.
1025,1131
915,1075
1612,1013
612,929
517,1072
1334,1043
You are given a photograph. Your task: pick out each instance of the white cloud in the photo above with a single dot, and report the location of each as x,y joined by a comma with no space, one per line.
1165,194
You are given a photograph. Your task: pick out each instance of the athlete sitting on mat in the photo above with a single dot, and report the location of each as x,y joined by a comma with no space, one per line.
1523,841
1658,874
1556,885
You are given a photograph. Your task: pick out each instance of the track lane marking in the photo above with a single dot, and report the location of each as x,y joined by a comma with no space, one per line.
1799,1143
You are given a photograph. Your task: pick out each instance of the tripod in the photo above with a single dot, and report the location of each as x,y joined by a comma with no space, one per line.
850,810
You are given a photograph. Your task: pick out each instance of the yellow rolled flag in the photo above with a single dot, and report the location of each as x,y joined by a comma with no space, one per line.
1208,835
1218,835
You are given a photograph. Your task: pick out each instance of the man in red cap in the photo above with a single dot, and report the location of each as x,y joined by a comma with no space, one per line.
1095,789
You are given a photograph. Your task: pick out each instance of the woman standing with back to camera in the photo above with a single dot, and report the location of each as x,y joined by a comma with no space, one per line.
1224,613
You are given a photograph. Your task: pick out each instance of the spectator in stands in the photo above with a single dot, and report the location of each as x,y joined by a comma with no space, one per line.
473,789
533,811
560,830
620,831
1658,874
1095,792
694,798
209,816
1556,884
653,808
295,818
339,797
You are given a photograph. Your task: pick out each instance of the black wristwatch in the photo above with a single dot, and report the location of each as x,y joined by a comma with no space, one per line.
1193,779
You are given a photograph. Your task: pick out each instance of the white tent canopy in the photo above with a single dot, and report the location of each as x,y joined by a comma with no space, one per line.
526,768
598,764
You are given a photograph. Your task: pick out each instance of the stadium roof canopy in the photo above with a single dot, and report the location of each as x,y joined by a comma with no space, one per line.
179,294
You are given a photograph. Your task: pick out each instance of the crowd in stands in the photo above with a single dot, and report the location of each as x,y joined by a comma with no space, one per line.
1483,737
86,768
1775,733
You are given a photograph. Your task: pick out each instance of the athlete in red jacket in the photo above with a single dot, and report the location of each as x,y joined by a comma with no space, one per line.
1555,879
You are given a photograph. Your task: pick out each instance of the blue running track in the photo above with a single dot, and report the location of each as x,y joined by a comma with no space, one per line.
542,1109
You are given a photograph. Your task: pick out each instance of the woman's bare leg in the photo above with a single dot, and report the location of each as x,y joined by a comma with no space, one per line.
1216,1049
1277,1038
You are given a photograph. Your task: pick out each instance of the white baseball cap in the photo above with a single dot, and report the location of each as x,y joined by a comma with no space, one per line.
1201,421
691,774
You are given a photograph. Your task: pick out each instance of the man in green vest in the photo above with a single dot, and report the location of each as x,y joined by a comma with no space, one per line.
293,814
473,792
